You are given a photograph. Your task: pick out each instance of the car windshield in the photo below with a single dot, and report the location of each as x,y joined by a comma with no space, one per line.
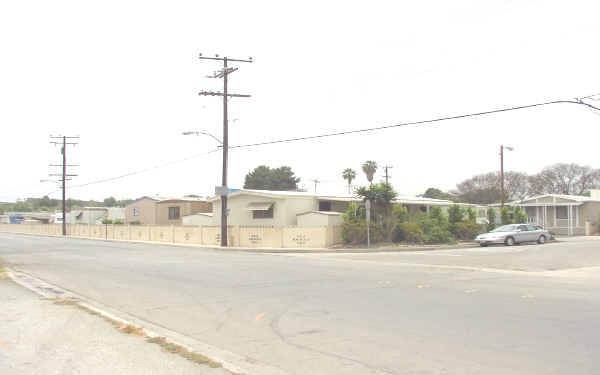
505,228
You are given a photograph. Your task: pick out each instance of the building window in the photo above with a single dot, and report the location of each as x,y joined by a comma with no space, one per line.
173,213
136,211
324,206
263,214
423,208
561,212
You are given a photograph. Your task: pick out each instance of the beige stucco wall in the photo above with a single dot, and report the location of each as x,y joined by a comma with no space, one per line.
590,211
316,219
198,220
273,237
147,211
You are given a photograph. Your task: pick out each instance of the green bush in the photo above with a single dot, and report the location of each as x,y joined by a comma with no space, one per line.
438,235
400,213
455,214
471,214
491,216
505,215
107,221
411,232
467,231
520,217
118,221
136,222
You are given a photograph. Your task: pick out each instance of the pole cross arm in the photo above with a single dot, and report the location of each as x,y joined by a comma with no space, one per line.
212,93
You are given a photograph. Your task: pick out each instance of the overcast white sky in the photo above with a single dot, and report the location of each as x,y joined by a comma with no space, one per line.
124,75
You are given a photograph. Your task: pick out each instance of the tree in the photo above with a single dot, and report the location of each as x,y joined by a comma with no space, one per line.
435,193
110,202
382,196
562,178
349,174
266,178
369,167
486,189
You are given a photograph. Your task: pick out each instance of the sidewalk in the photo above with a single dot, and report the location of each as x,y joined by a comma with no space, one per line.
38,336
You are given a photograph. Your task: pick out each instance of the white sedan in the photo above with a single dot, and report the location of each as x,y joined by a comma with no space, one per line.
514,233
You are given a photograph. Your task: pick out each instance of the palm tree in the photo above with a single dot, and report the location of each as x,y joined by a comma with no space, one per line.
349,174
369,167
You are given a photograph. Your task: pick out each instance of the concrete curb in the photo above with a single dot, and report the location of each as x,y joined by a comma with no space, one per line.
232,362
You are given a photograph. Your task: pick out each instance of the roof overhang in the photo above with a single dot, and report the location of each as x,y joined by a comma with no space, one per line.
259,206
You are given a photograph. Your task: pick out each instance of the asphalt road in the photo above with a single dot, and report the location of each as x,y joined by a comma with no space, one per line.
521,310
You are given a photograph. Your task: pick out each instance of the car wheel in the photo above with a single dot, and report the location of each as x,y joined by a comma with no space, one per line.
509,241
483,244
541,240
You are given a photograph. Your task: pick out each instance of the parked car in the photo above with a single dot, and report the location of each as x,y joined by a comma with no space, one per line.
514,233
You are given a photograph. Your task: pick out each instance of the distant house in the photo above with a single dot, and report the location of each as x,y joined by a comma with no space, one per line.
95,215
562,214
164,211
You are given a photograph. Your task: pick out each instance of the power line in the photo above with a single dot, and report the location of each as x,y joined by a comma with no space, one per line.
144,170
422,122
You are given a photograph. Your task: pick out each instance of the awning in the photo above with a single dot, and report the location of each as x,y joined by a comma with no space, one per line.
260,206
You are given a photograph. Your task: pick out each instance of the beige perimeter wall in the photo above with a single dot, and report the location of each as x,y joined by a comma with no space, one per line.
238,236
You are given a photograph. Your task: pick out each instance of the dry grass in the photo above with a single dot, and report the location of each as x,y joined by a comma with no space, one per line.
183,352
139,331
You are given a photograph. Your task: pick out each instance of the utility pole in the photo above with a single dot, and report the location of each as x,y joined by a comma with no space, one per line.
502,147
223,189
64,175
386,174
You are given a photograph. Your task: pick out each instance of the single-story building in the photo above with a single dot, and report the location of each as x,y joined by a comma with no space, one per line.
562,214
164,211
95,215
247,207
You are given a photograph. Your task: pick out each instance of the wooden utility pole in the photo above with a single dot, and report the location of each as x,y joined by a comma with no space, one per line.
223,189
387,177
64,176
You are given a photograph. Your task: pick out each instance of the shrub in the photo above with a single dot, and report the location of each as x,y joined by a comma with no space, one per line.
107,221
491,216
468,230
471,214
118,221
397,234
455,214
136,222
520,217
400,213
439,235
411,232
505,216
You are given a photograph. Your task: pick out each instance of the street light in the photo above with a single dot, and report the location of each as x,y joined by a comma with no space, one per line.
198,132
502,147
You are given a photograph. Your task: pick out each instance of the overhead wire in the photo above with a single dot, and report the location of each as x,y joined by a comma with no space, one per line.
421,122
355,131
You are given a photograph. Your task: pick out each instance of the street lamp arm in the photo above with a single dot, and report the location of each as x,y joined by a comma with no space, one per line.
203,133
